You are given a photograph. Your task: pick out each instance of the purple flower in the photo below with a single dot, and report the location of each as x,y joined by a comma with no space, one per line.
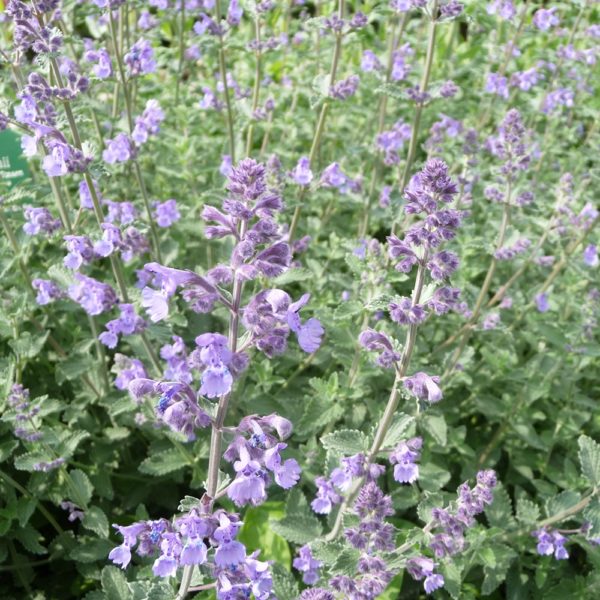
93,296
452,9
148,123
39,220
333,176
121,555
344,89
449,89
103,67
404,457
140,59
370,62
127,370
308,565
590,255
128,323
234,13
442,264
557,98
166,213
375,341
302,174
424,387
80,251
119,149
47,291
216,357
326,496
405,313
546,19
505,9
491,321
541,301
551,542
497,84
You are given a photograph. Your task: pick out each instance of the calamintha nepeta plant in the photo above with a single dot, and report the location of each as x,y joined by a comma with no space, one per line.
299,299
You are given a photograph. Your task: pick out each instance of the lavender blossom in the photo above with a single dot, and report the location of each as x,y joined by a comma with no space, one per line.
47,291
424,387
140,58
308,565
39,220
551,543
166,213
404,457
93,296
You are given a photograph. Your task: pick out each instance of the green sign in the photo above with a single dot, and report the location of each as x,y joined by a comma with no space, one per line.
13,166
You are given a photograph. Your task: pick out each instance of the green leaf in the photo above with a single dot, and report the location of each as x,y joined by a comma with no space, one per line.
299,525
432,477
392,591
561,502
160,591
188,503
591,514
164,462
452,578
257,534
74,367
89,550
500,513
7,448
83,488
345,441
528,512
96,521
284,584
436,426
397,431
27,461
589,457
28,346
30,540
427,505
114,584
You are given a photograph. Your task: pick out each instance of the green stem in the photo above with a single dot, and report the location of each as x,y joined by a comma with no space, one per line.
223,74
393,401
412,148
47,515
216,438
316,142
129,110
256,90
181,48
393,43
468,328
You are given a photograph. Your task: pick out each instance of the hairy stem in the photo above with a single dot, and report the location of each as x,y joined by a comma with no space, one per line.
226,94
414,136
256,90
316,142
392,403
129,111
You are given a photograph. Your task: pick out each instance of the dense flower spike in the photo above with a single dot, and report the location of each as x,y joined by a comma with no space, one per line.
159,296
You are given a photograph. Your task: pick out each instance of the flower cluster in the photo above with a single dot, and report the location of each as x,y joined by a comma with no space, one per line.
404,457
39,220
255,453
551,542
371,536
196,538
128,323
177,405
450,524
